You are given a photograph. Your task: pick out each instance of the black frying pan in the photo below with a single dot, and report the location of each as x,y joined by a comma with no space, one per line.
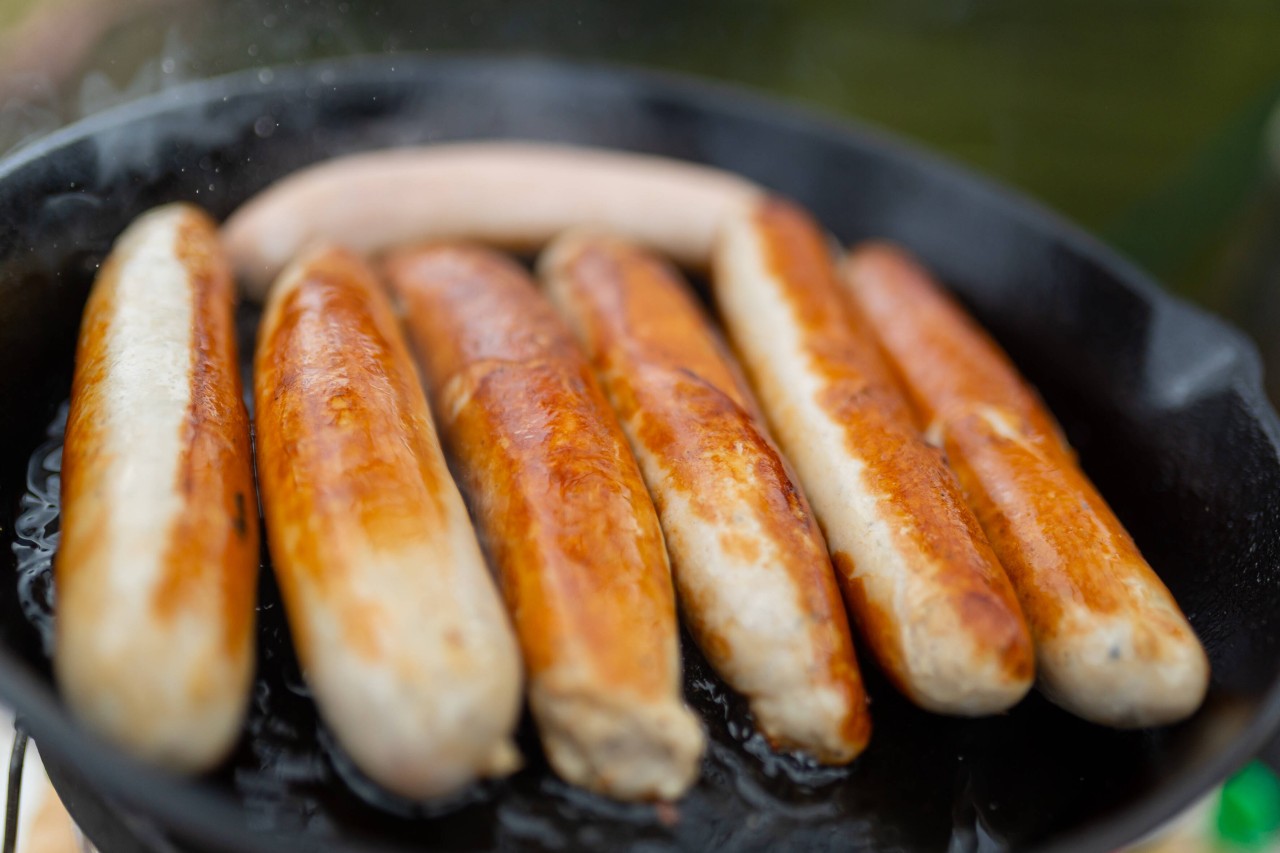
1163,402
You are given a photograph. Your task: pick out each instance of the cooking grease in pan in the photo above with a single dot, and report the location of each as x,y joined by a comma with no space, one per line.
35,531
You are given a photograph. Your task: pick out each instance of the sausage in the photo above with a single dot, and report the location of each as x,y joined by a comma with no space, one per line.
514,194
396,620
1112,645
156,569
754,581
564,515
925,588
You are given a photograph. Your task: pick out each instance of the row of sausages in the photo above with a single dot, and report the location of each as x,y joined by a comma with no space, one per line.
617,457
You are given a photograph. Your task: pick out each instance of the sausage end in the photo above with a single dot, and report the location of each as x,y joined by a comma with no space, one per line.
612,745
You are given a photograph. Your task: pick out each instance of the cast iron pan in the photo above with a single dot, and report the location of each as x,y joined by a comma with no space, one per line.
1163,402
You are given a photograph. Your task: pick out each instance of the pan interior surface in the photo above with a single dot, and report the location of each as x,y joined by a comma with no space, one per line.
1162,402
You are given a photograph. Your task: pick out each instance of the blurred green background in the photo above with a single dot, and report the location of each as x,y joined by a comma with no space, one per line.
1153,123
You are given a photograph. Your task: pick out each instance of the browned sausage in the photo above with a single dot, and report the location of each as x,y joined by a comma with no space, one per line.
562,509
1112,645
396,620
755,583
157,563
924,586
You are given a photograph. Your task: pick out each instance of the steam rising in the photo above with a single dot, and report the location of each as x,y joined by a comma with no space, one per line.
67,59
42,54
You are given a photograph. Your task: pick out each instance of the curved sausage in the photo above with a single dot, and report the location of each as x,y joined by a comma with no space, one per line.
156,567
754,580
565,517
513,194
1112,645
395,618
922,582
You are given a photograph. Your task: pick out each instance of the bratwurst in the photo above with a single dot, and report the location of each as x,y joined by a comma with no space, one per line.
565,517
396,621
1111,644
754,581
157,565
924,586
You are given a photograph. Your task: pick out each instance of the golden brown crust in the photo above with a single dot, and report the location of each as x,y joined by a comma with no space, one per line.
184,550
220,526
338,417
1039,543
217,532
961,365
687,408
551,482
836,337
392,610
638,312
558,505
923,584
930,516
1079,576
84,454
556,494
